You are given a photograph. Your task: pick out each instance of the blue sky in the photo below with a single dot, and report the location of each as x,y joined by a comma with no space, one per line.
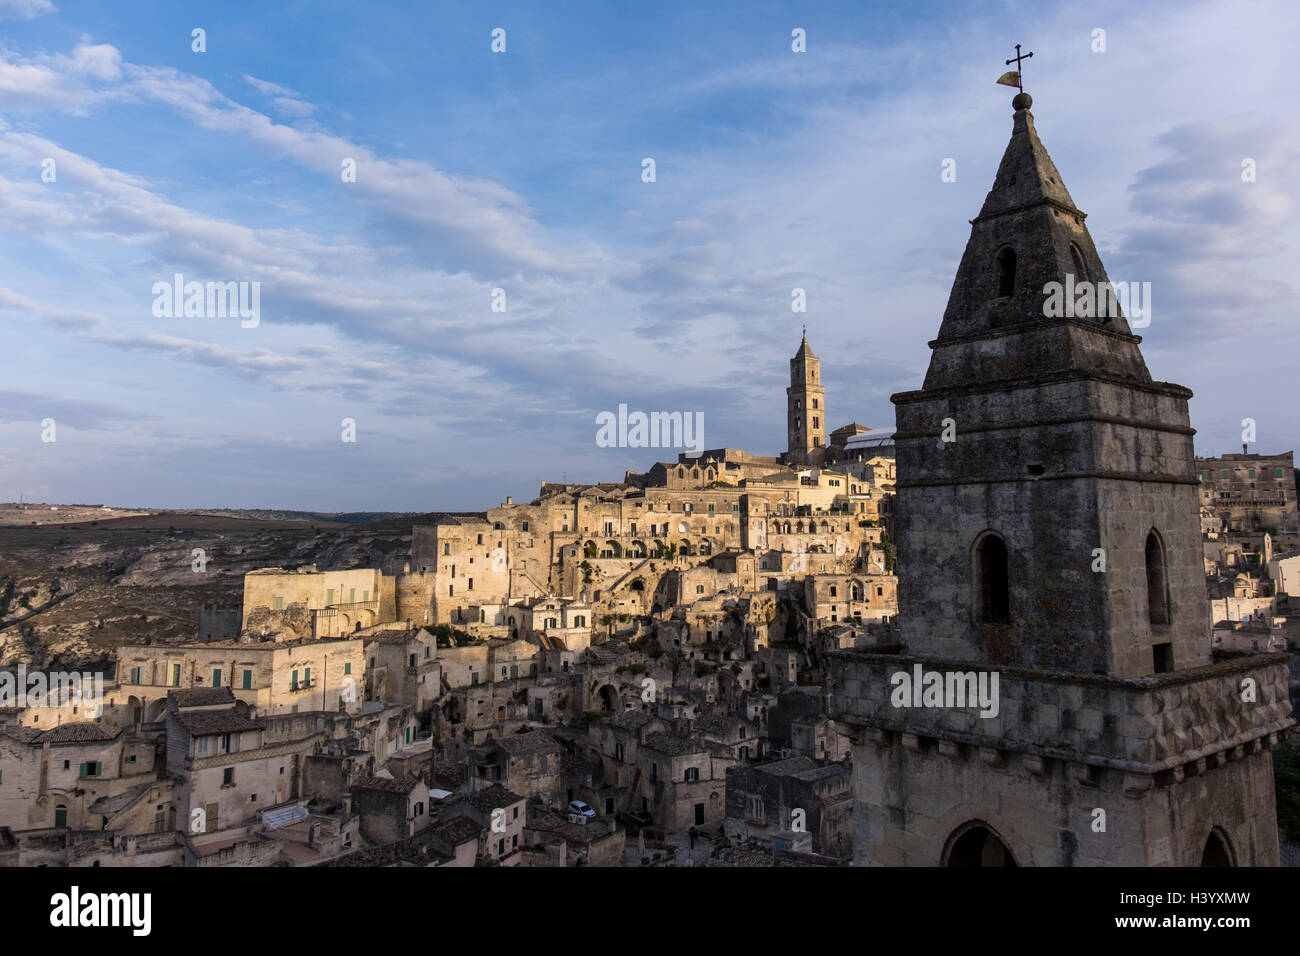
522,171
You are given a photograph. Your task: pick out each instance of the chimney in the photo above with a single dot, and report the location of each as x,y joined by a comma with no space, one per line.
509,500
1243,448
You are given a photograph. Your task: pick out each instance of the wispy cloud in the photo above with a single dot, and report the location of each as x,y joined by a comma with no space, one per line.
776,170
25,9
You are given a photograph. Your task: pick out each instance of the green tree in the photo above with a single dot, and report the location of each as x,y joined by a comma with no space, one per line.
1286,781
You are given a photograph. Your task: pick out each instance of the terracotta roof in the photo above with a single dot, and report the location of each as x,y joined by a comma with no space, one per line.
78,732
788,767
203,722
534,741
717,725
23,734
458,831
541,819
403,784
393,636
493,797
426,848
630,719
673,744
75,732
202,696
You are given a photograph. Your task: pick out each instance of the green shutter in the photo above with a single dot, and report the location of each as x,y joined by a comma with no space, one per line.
306,676
347,668
248,680
216,677
294,682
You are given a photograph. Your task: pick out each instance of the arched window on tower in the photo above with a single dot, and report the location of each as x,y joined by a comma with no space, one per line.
992,582
1007,272
1157,581
1080,270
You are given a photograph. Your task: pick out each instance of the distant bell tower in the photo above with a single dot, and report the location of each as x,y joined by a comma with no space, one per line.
805,408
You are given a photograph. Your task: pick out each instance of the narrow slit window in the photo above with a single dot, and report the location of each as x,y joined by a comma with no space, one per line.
1157,582
1007,272
993,581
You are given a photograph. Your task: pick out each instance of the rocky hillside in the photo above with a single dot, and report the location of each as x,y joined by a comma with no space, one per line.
70,593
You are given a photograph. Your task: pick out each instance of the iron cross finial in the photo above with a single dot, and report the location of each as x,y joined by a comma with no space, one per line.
1016,60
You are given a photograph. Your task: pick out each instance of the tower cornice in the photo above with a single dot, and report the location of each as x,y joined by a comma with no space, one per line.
1045,201
1085,324
1168,389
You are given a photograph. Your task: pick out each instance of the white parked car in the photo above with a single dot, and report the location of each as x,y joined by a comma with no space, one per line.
579,812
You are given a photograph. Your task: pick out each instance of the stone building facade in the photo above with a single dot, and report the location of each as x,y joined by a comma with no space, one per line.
783,799
1250,491
275,676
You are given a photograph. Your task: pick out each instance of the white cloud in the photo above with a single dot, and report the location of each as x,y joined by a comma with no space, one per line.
285,100
24,9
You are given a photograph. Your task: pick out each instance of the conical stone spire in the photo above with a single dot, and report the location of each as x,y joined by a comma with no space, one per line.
805,350
1004,319
1027,176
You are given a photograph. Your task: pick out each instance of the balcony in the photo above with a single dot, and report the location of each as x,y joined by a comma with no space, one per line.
302,685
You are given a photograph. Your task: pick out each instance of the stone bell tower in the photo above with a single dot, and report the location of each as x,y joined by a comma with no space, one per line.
1042,446
805,411
1048,536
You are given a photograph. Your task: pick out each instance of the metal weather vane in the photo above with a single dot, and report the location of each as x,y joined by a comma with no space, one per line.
1012,77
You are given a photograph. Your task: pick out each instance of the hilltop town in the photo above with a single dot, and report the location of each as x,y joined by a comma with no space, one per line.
635,646
695,665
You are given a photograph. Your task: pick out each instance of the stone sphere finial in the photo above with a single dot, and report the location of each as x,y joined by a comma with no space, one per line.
1022,101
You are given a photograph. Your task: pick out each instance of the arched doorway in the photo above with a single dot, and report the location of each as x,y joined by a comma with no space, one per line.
1216,852
608,698
977,844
